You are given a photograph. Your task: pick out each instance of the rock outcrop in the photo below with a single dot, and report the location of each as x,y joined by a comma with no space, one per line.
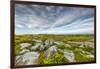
29,54
28,58
69,55
25,45
51,51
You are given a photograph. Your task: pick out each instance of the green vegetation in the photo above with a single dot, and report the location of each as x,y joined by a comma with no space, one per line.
82,57
81,53
56,58
17,49
64,38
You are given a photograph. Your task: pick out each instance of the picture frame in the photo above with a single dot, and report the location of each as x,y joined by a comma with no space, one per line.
13,28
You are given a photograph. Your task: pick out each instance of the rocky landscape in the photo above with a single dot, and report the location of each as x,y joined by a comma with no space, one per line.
50,51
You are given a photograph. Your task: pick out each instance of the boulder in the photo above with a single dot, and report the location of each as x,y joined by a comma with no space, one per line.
18,59
49,43
69,55
29,58
24,51
58,42
25,45
82,45
51,51
87,44
41,47
38,47
34,48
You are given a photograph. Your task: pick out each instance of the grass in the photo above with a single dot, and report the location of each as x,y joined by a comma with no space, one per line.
64,38
58,57
17,50
81,57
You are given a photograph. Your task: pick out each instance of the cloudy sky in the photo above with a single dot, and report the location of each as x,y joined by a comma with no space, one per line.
40,19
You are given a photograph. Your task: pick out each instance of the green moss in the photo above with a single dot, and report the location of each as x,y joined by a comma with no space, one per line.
57,58
82,57
17,50
61,47
64,47
88,49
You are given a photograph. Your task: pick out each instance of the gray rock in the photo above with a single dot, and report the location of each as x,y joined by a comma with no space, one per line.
49,43
24,51
29,58
41,47
38,46
58,42
82,45
25,45
87,44
34,48
18,59
51,51
69,55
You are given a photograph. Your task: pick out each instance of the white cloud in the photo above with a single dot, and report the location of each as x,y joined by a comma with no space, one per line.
19,26
68,20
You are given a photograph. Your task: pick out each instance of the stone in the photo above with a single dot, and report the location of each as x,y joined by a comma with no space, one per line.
49,42
38,46
41,47
69,55
58,42
18,59
24,51
34,48
29,58
87,44
51,51
82,45
25,45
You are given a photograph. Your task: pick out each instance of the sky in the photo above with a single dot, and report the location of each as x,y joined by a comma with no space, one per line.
41,19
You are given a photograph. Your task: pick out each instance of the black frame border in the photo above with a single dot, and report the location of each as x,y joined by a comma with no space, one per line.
12,19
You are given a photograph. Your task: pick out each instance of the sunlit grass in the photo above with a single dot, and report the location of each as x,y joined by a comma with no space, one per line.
58,57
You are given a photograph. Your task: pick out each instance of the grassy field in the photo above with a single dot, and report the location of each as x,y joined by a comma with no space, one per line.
81,54
64,38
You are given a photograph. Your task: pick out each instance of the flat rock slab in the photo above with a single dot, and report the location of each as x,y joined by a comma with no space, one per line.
51,51
28,58
25,45
69,55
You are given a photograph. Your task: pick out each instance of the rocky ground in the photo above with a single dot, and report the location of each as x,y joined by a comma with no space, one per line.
54,52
